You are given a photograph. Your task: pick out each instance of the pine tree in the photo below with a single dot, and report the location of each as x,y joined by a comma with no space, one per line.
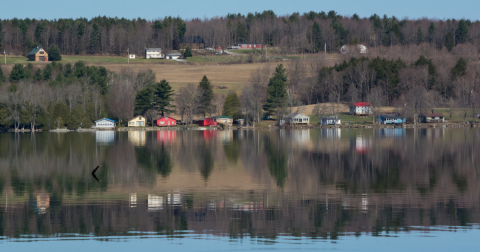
54,53
38,75
449,41
17,73
317,36
94,38
461,33
460,69
207,96
276,92
431,32
2,76
231,106
419,35
162,97
187,53
143,101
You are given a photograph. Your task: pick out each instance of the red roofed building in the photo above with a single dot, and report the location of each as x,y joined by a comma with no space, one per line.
206,122
361,108
165,121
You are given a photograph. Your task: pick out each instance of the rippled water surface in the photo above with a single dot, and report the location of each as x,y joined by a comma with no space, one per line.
369,189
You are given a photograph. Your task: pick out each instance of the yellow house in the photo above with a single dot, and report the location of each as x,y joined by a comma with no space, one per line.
138,121
38,54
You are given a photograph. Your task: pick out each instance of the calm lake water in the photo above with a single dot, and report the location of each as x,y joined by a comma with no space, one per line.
322,189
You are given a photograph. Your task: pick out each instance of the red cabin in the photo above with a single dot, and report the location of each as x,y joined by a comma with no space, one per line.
206,122
165,121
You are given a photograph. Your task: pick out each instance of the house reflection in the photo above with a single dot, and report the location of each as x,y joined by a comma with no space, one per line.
133,200
174,199
362,144
154,202
43,203
225,136
209,134
137,138
392,133
166,136
331,133
105,137
301,136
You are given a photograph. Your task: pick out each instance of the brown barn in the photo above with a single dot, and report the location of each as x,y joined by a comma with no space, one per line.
38,54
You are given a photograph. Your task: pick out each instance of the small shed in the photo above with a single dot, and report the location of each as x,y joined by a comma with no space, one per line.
331,120
38,54
105,123
432,118
227,120
173,55
207,122
391,119
138,121
166,121
297,118
361,109
131,56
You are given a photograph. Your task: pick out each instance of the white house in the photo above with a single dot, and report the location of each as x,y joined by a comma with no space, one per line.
173,55
297,118
361,108
153,53
105,123
331,120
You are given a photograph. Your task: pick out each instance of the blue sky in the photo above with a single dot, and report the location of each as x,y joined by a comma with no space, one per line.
187,9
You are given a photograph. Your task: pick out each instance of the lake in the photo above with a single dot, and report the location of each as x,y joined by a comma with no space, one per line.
345,189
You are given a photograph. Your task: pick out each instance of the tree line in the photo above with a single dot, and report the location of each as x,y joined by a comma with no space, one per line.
295,33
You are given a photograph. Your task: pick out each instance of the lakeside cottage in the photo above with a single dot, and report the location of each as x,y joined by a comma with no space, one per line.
227,120
207,122
105,123
38,54
297,118
432,118
331,120
361,109
391,119
138,121
165,121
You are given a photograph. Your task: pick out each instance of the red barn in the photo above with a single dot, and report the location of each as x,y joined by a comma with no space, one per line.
165,121
206,122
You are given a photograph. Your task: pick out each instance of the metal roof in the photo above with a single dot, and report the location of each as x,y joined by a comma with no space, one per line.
296,115
362,104
173,54
35,50
108,119
224,117
151,49
330,117
391,116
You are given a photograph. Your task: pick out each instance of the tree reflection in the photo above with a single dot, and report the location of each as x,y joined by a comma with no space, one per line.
206,164
277,162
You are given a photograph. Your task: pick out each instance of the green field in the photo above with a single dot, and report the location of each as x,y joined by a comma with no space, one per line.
90,60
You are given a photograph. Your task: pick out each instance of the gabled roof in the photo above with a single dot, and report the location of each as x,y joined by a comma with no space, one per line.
141,118
331,118
224,117
434,115
173,54
362,104
296,115
152,49
35,50
108,119
166,117
391,116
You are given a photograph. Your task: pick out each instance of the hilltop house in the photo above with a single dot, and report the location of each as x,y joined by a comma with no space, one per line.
297,118
105,123
361,109
227,120
38,54
430,118
137,121
331,120
153,53
391,119
165,121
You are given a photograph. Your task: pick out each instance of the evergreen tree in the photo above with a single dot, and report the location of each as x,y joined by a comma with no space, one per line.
54,53
94,38
61,115
1,33
449,41
317,36
431,32
276,92
75,118
207,95
163,96
231,106
17,73
143,101
2,75
47,72
419,35
38,75
460,69
461,33
187,53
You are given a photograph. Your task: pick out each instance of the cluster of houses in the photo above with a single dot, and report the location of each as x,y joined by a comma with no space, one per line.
164,121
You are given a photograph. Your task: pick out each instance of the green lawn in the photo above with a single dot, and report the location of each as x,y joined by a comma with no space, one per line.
346,119
90,60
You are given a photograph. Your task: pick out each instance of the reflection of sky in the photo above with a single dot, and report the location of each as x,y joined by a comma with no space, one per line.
438,241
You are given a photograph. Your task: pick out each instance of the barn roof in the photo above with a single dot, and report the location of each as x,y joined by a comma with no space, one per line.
362,104
35,50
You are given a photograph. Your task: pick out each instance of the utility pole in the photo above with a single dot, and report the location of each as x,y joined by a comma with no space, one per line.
266,53
128,56
5,57
325,48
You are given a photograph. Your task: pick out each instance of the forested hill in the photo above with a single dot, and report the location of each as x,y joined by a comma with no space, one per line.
292,33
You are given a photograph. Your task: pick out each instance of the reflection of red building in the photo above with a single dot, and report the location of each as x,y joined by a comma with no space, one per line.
165,121
166,136
209,134
362,145
206,122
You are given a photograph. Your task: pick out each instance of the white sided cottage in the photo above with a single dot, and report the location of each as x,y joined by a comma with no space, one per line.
105,123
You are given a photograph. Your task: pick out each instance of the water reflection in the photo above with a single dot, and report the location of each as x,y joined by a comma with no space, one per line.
316,183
